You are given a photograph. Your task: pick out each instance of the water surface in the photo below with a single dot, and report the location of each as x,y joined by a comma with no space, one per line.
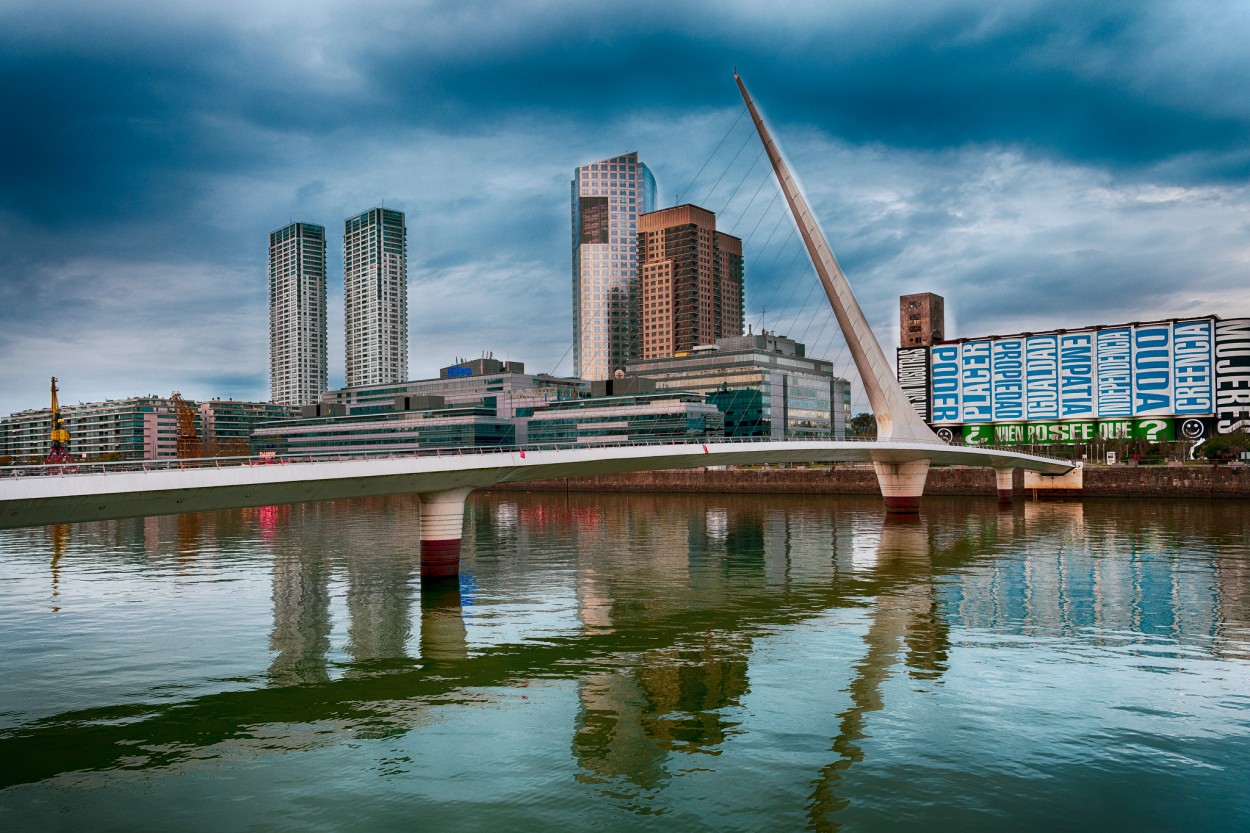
621,662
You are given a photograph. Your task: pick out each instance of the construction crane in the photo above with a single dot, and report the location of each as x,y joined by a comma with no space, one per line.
59,453
188,437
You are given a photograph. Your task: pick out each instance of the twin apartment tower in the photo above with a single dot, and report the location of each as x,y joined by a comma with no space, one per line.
375,300
647,284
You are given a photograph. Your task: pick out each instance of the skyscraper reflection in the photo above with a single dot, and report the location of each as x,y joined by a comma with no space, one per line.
380,590
300,638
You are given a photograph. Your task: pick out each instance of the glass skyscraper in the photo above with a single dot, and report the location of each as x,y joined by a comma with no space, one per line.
297,314
375,297
608,196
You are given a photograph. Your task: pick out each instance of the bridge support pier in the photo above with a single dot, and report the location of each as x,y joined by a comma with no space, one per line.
1005,488
902,484
442,529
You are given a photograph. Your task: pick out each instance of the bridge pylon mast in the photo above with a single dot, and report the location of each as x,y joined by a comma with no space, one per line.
896,420
902,482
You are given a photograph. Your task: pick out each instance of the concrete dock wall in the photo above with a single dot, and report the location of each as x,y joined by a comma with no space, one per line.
1100,481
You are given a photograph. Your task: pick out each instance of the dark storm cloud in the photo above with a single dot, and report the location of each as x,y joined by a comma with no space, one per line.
101,134
147,149
1116,83
1085,83
1120,84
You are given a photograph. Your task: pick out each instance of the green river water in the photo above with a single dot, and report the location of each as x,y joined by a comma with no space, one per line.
632,662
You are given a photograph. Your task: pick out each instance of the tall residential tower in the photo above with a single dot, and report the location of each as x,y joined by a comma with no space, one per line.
691,278
375,296
608,196
297,314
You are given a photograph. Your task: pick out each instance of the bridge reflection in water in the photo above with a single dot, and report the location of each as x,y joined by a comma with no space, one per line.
660,610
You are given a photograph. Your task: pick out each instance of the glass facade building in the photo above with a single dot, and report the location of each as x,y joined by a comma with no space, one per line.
653,417
607,198
509,392
226,425
401,432
297,314
375,297
793,397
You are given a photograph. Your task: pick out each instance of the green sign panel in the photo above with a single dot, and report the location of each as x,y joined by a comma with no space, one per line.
1045,433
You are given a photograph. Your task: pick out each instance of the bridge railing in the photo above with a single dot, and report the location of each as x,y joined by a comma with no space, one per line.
172,463
168,463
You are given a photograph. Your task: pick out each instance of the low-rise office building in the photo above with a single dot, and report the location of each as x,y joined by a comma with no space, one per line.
136,428
226,425
503,387
765,385
486,382
396,432
642,417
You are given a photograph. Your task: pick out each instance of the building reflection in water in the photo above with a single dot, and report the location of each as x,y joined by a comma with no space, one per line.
367,551
674,700
1042,571
300,638
1139,575
677,581
380,594
677,698
1150,568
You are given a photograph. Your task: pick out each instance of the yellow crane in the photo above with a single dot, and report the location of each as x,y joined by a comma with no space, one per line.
59,452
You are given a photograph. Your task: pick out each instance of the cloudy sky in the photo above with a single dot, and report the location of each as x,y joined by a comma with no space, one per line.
1040,164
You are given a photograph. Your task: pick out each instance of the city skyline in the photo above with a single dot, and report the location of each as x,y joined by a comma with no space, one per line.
1040,167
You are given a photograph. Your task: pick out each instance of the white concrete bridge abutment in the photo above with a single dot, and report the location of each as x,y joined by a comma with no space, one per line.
442,531
1005,478
902,484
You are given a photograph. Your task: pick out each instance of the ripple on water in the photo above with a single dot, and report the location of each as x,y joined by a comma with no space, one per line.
708,662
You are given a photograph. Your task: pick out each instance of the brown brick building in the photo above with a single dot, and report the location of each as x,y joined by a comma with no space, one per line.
921,320
691,278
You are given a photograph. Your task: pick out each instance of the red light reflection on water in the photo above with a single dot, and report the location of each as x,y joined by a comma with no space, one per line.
541,517
268,518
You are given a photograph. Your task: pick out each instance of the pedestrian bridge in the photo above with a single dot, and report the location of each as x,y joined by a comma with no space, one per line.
36,496
901,455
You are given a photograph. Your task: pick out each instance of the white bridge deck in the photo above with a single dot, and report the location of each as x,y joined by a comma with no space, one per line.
127,490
